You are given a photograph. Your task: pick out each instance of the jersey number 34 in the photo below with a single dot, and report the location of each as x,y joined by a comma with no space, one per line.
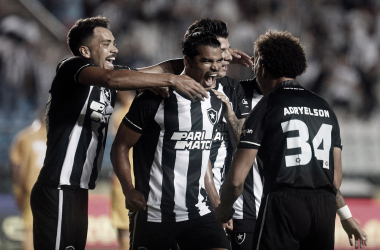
302,142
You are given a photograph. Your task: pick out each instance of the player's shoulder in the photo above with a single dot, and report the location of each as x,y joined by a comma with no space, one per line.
228,81
251,85
73,62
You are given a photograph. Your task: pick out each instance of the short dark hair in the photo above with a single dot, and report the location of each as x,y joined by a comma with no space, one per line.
83,30
281,54
191,43
216,27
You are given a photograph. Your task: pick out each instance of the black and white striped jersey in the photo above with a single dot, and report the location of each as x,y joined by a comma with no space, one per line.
77,121
171,156
221,151
295,132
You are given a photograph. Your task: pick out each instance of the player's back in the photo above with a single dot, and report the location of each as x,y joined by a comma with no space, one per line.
300,134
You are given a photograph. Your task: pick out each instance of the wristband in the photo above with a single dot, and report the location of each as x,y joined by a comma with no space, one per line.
344,213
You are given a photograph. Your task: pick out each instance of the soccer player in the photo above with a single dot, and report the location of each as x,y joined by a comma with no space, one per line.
171,140
295,136
27,155
82,98
240,98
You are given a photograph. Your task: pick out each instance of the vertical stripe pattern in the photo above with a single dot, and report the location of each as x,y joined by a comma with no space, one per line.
179,166
68,163
59,226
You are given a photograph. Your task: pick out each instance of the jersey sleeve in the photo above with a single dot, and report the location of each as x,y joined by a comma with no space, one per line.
70,68
253,129
242,106
337,142
142,111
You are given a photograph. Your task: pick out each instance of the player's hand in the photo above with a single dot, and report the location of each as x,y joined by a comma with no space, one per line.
222,214
229,225
189,87
239,57
225,100
134,200
353,228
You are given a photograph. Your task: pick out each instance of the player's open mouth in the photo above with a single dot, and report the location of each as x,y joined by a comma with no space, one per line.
210,79
110,60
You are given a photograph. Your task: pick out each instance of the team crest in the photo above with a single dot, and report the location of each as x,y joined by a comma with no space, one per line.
107,94
212,115
240,237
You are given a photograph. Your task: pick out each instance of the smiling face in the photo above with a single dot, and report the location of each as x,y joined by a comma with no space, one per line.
205,66
102,50
224,45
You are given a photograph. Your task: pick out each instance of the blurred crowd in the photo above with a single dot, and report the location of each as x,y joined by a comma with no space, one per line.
342,40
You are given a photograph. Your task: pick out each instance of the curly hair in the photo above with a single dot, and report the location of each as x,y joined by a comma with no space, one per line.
216,27
281,54
191,43
83,30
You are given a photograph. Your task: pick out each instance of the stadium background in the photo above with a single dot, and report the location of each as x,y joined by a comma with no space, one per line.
342,40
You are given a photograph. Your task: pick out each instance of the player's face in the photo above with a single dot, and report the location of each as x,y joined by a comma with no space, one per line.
204,67
102,49
258,69
224,45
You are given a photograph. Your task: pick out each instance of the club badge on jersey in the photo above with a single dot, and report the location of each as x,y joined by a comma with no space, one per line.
212,115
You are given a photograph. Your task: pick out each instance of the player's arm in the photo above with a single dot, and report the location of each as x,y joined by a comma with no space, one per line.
212,193
351,227
234,182
125,139
234,124
172,66
129,79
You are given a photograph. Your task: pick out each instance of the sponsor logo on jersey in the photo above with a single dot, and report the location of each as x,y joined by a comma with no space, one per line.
306,111
189,140
100,112
221,132
70,248
246,131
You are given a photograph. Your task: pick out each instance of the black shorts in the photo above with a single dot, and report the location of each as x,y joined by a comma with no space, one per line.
296,219
241,237
200,233
60,217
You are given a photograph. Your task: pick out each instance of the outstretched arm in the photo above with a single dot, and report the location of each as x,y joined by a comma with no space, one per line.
129,79
172,66
125,139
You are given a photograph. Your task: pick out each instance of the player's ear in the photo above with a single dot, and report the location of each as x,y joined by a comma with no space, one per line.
187,61
85,51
